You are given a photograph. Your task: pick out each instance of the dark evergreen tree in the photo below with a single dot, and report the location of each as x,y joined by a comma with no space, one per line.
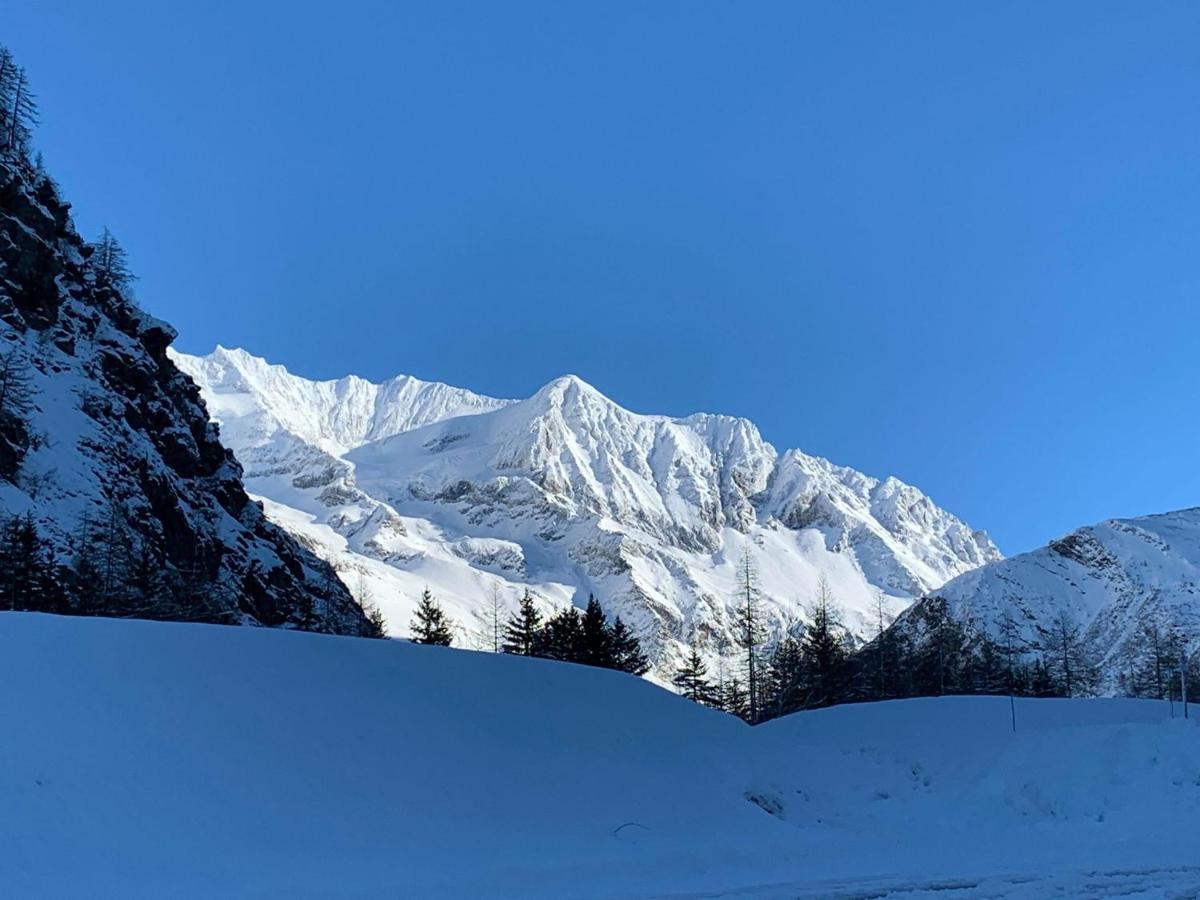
146,586
28,573
823,651
734,700
786,691
429,624
521,632
691,679
561,637
16,387
627,655
18,108
1041,684
110,265
595,646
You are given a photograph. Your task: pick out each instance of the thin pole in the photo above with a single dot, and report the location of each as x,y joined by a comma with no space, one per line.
1183,662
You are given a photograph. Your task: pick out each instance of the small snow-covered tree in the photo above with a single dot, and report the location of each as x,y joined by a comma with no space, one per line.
430,624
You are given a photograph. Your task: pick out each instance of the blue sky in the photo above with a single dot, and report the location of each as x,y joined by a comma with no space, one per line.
954,242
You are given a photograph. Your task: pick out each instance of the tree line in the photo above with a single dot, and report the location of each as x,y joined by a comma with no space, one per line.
586,638
817,663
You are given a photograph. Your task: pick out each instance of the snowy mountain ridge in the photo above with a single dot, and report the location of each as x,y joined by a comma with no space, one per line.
411,483
1108,581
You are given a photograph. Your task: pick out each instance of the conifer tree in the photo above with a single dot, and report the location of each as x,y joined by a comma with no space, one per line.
28,574
16,388
734,700
430,624
785,678
750,630
627,652
109,264
596,638
692,680
18,108
823,651
521,632
561,637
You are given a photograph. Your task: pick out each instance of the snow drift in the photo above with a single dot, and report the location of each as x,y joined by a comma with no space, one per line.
154,759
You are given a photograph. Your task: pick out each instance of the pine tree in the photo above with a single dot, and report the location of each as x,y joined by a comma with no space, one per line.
110,265
750,630
16,386
521,632
734,700
28,575
18,108
692,680
823,650
596,638
561,637
785,678
430,624
145,584
627,655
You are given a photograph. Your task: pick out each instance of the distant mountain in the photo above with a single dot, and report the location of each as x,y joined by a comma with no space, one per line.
117,497
411,483
1107,582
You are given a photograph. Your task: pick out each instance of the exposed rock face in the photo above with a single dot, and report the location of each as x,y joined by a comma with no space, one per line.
114,429
570,494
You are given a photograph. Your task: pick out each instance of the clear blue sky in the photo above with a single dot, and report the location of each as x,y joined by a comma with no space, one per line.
954,242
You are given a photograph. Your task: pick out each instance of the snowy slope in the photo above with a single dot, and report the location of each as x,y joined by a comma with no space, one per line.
1107,578
568,493
149,759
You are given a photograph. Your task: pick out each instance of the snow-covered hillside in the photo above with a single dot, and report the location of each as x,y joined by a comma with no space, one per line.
153,759
1109,580
411,483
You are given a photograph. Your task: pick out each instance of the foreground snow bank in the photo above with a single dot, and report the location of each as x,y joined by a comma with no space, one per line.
161,759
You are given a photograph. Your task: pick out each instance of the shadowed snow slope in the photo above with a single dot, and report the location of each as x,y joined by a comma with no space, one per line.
410,483
150,759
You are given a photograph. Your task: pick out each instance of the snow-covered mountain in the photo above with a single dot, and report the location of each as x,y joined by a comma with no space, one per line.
107,454
1108,580
410,483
